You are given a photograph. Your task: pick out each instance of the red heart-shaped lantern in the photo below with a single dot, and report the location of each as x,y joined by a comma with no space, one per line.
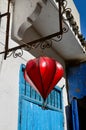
43,73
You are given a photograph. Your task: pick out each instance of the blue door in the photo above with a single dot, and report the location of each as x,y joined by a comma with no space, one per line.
31,114
75,115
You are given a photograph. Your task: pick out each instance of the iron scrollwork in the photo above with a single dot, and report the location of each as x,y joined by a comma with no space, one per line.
16,53
44,42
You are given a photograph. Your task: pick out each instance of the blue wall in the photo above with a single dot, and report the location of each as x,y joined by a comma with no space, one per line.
76,76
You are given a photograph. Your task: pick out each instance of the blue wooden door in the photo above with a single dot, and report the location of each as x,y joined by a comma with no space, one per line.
34,118
31,114
75,116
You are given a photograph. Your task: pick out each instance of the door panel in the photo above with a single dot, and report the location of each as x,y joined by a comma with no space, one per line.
75,116
31,115
34,118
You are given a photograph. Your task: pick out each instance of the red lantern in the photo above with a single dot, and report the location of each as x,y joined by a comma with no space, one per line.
43,73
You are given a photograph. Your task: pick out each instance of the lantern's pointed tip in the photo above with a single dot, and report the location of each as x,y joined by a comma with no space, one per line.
44,104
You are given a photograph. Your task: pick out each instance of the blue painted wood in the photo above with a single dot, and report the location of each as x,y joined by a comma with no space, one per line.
33,117
76,76
21,91
75,117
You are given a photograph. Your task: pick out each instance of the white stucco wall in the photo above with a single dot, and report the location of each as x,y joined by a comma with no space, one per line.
9,90
9,81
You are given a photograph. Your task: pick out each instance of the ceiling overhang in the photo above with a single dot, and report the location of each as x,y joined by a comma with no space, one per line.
39,19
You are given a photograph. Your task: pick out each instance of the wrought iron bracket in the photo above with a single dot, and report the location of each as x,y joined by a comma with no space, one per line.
35,43
2,15
7,28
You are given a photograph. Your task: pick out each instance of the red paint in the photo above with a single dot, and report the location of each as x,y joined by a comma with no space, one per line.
43,74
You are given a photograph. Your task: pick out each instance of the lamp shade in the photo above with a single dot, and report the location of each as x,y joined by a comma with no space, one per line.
43,74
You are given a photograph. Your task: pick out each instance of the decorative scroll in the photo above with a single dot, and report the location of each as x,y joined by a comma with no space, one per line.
44,42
